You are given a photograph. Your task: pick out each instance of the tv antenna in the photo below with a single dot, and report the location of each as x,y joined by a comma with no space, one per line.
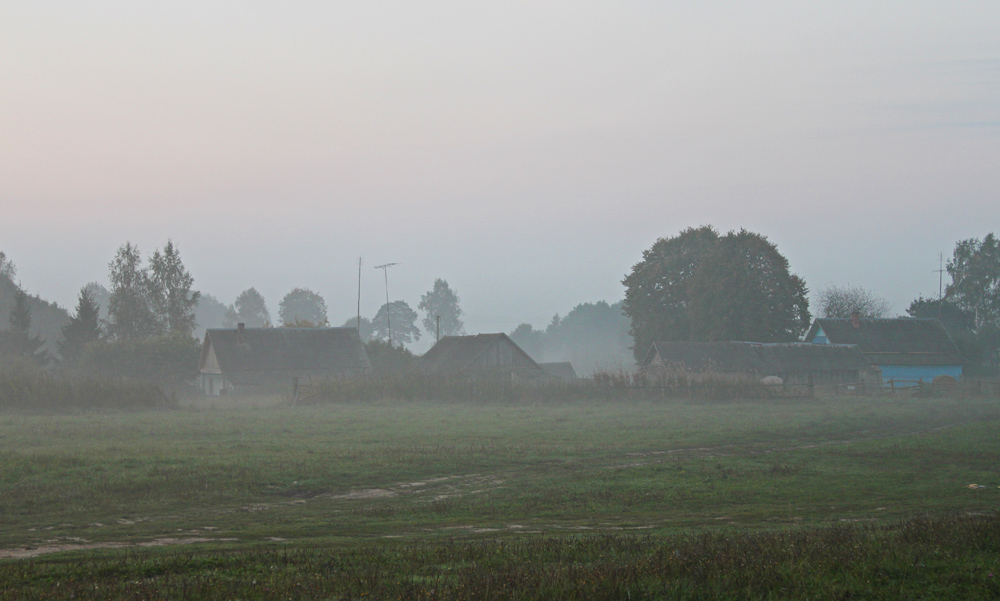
940,271
388,320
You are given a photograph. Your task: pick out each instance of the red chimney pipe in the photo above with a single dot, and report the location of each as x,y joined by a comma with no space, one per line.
856,320
241,333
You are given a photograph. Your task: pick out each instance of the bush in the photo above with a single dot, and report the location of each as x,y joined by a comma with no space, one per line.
167,361
502,387
26,387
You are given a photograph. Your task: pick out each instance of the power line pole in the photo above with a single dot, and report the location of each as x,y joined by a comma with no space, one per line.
940,271
438,337
359,299
388,320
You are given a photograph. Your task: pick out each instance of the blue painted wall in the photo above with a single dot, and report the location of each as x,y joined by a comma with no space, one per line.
916,372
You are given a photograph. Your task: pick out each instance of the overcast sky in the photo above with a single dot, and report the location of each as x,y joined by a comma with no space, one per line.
525,152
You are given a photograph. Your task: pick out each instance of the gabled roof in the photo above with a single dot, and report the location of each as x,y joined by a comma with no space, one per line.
457,354
755,357
277,349
901,341
562,369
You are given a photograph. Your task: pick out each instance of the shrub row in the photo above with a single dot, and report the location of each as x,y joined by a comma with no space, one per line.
36,390
498,388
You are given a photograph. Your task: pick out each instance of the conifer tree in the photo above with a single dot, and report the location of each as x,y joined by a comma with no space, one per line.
82,329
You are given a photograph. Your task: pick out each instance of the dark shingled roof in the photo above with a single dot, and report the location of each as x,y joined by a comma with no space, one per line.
563,369
478,353
901,341
287,349
756,358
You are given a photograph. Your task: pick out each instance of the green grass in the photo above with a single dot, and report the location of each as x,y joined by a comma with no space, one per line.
374,480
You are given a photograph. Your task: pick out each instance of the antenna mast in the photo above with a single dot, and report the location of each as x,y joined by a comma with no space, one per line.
388,320
359,299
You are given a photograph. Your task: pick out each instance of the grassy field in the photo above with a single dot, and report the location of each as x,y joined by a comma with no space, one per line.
415,498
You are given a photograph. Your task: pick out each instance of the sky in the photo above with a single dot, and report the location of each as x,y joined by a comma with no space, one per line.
527,153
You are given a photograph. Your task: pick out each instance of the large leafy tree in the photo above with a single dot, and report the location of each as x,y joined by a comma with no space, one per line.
249,308
366,331
702,286
83,328
131,314
302,307
170,293
975,279
402,319
530,340
657,295
843,301
592,336
210,313
442,302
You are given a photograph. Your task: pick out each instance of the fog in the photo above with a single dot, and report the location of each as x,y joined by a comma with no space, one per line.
527,155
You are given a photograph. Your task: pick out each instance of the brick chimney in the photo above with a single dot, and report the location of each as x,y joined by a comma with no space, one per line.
241,333
856,320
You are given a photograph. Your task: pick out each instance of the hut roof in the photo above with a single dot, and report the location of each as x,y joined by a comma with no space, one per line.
901,341
454,354
277,349
563,369
755,357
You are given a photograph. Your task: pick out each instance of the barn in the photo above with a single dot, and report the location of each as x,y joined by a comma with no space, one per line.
241,358
794,363
481,355
911,350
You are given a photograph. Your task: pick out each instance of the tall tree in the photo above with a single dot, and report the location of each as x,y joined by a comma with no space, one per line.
7,268
700,286
530,340
82,329
840,302
656,291
366,332
592,336
249,308
101,296
975,279
130,313
210,313
17,339
403,320
744,291
302,307
171,297
442,302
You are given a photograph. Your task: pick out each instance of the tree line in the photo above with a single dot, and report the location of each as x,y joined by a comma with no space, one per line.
696,285
703,286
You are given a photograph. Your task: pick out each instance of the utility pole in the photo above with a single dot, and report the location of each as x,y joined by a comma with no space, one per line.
438,337
359,300
388,320
940,271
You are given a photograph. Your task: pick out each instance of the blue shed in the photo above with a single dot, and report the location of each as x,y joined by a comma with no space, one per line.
902,349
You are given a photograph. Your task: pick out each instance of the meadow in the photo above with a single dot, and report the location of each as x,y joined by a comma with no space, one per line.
252,498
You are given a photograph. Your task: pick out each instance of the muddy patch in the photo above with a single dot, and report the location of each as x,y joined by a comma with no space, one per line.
45,549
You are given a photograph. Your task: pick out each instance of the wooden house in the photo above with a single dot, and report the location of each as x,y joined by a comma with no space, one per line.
905,351
794,363
243,358
481,355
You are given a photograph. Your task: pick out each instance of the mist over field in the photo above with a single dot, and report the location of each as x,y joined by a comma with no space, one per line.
529,301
